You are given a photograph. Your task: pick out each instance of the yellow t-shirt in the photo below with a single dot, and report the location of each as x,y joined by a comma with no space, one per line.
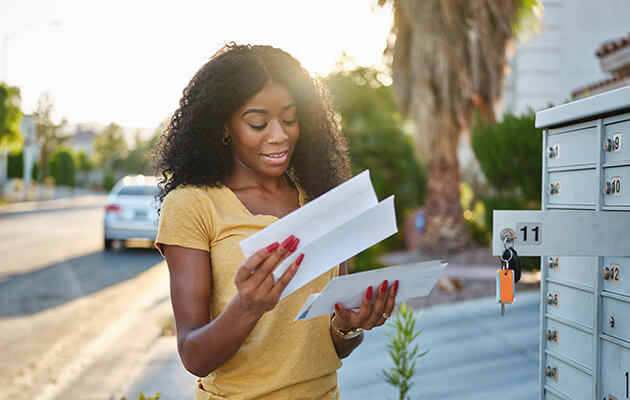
281,358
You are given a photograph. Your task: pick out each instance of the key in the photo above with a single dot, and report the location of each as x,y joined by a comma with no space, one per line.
513,262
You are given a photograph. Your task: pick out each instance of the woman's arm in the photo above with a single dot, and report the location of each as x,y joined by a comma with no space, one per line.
369,316
205,345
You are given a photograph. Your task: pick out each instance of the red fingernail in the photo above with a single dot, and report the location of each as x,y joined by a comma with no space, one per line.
272,247
287,241
396,286
294,245
337,307
368,294
384,286
299,260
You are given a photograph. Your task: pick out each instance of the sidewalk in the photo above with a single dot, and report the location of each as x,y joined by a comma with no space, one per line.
474,353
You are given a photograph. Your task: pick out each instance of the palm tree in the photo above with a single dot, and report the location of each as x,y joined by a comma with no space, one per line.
448,59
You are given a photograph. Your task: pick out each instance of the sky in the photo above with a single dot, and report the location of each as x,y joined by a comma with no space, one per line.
127,61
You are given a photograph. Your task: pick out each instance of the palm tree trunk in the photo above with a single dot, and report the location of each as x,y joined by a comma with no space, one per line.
445,228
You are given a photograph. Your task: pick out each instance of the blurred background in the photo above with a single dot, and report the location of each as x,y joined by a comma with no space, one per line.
437,99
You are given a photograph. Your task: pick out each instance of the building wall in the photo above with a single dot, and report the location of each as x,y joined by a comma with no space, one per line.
548,66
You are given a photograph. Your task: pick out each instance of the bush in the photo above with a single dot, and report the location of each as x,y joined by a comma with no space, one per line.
372,124
35,171
510,155
15,165
108,181
62,166
83,162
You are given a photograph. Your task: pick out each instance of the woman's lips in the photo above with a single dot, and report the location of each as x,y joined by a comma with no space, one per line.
276,158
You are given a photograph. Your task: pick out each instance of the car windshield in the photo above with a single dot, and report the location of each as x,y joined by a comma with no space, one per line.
138,190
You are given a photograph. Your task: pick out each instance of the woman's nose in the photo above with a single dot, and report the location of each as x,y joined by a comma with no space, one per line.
276,132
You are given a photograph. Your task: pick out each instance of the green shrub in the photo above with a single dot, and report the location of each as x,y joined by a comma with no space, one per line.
35,171
108,181
62,166
373,126
15,165
83,162
510,155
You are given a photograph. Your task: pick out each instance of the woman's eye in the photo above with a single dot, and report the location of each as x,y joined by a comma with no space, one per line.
258,127
293,121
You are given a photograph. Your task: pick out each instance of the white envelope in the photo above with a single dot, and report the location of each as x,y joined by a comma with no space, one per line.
415,280
332,228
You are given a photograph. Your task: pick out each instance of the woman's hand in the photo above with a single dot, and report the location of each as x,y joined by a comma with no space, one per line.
257,290
370,314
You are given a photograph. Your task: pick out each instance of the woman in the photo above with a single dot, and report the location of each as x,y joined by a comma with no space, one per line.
253,138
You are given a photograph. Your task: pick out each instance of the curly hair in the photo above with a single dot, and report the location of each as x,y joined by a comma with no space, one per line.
190,150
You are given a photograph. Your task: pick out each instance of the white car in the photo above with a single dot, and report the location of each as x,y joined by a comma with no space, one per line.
131,210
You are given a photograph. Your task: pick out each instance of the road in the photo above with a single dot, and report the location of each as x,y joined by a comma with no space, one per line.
65,303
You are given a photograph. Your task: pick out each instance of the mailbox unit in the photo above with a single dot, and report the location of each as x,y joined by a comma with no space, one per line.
582,234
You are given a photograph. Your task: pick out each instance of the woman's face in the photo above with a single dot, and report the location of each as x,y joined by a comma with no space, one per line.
265,131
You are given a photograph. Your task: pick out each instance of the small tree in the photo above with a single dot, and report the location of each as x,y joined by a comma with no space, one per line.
403,351
110,147
62,166
49,133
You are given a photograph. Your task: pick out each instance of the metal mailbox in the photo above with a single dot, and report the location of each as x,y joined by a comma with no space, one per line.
582,234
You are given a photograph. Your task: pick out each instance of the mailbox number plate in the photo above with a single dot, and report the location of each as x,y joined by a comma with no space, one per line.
614,273
528,233
616,186
616,147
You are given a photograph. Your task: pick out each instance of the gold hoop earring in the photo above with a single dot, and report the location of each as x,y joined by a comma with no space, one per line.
226,140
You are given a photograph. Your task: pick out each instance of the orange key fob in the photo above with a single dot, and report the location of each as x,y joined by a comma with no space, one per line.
505,286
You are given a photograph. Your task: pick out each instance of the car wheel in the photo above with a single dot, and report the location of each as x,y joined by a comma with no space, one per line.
108,244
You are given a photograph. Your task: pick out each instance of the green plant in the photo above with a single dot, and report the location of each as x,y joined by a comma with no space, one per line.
62,166
510,155
108,181
15,167
402,350
142,397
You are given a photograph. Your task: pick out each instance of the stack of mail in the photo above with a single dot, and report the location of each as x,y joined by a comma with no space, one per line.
332,228
415,280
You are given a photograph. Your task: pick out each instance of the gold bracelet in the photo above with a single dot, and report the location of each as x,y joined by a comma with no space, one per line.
351,334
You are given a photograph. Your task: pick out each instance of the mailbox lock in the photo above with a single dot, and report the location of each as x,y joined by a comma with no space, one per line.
551,152
552,262
611,321
606,273
552,372
552,298
552,335
607,188
553,188
608,144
